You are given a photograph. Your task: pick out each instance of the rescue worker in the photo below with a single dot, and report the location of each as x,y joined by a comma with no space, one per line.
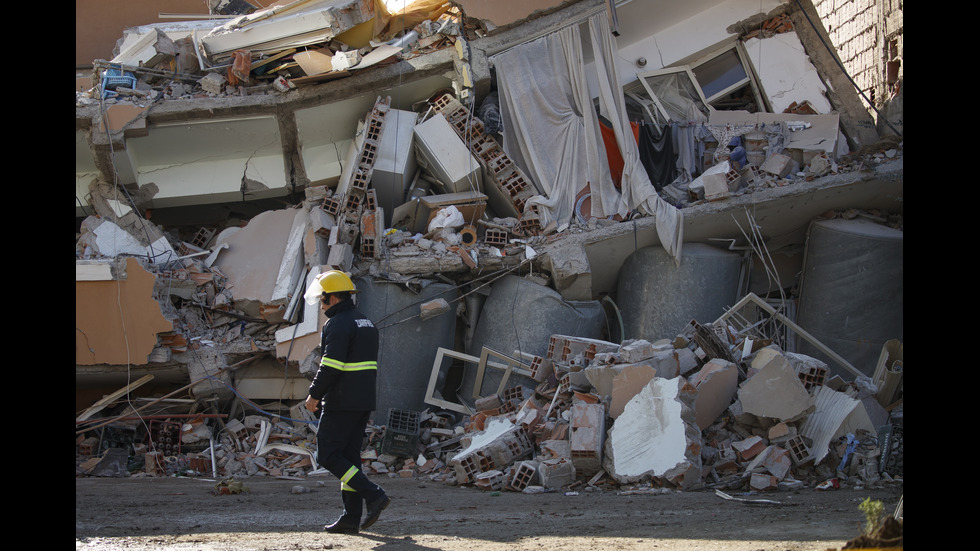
344,390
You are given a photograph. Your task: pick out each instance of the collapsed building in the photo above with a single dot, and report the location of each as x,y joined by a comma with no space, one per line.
672,257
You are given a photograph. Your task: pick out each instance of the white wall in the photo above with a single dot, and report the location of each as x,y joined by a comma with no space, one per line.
664,41
204,162
785,72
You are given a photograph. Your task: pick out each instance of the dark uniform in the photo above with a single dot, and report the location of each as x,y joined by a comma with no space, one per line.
345,383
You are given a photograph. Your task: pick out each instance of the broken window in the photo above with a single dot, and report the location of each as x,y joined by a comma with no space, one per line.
722,80
675,93
726,81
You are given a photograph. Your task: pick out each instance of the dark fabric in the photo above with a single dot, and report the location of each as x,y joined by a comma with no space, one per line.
348,338
657,154
489,113
353,506
339,437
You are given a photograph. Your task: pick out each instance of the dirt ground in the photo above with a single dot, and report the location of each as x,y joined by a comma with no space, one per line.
184,514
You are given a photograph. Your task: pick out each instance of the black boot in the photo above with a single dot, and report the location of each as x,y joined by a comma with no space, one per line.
349,521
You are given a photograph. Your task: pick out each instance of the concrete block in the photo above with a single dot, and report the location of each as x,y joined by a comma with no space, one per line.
666,362
749,447
321,221
345,60
775,391
716,384
490,480
556,448
763,482
636,351
588,425
776,460
556,473
687,360
778,165
341,256
601,377
627,384
213,83
433,308
716,187
656,436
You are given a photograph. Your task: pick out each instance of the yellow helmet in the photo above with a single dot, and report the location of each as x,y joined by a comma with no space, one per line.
333,281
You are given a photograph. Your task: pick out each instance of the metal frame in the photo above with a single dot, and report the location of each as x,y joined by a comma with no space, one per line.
682,69
434,377
511,365
763,305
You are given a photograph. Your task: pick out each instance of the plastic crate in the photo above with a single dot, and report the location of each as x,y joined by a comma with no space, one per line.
402,433
399,443
403,420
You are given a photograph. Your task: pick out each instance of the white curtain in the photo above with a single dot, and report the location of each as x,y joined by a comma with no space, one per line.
550,127
552,132
638,192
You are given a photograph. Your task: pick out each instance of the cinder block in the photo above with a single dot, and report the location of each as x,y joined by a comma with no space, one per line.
749,447
715,186
778,165
556,473
525,474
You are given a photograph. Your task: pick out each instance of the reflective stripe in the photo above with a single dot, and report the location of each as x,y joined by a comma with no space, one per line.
341,366
346,488
349,474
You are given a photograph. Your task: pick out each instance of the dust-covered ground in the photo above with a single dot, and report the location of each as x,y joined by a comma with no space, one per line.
185,514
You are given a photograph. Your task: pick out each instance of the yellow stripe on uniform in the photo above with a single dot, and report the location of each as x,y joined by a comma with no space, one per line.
346,488
348,475
341,366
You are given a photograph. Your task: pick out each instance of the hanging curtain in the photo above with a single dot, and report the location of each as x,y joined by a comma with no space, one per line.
550,128
552,132
638,192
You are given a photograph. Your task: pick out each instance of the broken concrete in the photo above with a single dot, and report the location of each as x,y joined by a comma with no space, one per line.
775,391
716,383
656,436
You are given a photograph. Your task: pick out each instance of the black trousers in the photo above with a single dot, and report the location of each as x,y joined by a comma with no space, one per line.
339,437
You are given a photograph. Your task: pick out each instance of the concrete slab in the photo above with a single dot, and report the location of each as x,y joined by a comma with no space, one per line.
627,384
117,321
775,391
253,259
716,384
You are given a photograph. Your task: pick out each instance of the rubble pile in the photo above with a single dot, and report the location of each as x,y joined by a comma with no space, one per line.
320,41
711,408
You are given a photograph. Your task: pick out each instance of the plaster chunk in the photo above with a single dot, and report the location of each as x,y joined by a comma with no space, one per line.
656,435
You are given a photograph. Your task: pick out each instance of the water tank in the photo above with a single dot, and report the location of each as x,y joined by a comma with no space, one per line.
657,298
522,315
851,291
408,344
